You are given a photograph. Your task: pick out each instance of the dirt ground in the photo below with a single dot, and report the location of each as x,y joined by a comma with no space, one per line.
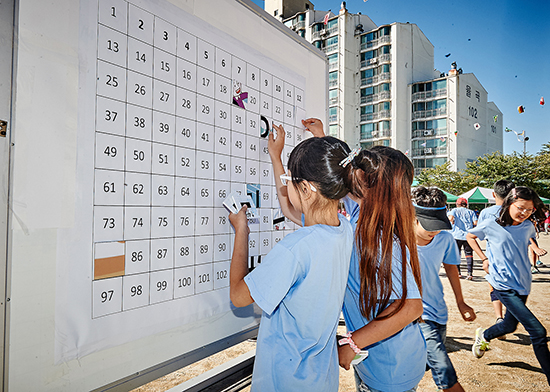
509,366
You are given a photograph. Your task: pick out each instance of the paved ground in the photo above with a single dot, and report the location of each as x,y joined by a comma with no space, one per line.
510,365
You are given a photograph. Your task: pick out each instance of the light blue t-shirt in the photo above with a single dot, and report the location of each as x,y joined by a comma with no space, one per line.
442,249
509,265
300,288
490,212
464,221
396,363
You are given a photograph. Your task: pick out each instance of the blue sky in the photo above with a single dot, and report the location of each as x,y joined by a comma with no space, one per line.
506,44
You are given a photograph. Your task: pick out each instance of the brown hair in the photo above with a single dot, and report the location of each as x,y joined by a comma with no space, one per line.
381,177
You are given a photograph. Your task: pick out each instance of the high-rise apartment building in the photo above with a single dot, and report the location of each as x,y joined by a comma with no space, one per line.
384,90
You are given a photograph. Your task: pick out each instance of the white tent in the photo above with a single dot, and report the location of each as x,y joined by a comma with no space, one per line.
479,195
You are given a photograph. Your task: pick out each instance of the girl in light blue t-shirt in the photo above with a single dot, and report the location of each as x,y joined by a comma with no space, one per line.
300,284
509,270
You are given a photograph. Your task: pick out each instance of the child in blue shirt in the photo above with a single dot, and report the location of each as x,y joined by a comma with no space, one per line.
383,296
509,270
463,220
436,247
300,284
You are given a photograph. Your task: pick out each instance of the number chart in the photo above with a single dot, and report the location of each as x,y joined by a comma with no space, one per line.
181,121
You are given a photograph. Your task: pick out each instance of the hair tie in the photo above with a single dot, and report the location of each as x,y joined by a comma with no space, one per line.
350,157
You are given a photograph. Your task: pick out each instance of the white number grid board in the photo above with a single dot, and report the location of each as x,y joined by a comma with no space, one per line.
180,117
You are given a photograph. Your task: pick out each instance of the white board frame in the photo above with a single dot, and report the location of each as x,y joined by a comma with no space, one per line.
47,35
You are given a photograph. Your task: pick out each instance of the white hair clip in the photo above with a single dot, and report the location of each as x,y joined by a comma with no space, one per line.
350,157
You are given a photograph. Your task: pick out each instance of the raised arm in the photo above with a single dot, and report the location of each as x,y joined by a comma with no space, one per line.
238,289
378,330
466,311
275,147
315,126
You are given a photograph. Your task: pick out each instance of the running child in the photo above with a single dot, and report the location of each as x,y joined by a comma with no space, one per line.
436,247
501,188
300,284
509,270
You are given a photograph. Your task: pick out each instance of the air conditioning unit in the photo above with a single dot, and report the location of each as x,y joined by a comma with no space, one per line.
323,32
428,132
428,150
375,134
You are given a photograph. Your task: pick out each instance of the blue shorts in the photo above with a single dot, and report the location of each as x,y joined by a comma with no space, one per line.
360,386
439,363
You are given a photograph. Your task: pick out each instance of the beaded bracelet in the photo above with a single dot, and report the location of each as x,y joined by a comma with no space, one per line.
348,340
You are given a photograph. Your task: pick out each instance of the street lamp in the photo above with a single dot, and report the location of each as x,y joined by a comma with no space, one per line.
522,138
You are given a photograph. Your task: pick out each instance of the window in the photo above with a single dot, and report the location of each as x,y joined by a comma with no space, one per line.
367,109
385,125
307,6
368,37
333,130
331,41
419,106
384,87
333,58
367,91
318,44
301,17
369,73
439,84
332,93
367,145
276,12
332,111
332,23
385,143
366,131
384,106
302,33
384,31
384,68
333,75
318,27
433,162
438,104
368,55
384,49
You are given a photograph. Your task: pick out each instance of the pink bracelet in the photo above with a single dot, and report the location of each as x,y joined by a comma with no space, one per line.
349,340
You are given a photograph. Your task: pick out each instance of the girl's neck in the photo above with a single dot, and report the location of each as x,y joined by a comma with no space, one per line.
327,217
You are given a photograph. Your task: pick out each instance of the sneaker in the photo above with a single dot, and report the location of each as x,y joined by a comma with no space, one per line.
540,263
534,270
480,345
470,277
500,320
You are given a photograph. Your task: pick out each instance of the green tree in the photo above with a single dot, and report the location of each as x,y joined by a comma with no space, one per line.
450,181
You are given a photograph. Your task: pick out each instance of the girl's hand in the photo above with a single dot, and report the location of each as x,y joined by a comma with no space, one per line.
275,145
239,221
315,126
539,251
466,312
486,266
345,356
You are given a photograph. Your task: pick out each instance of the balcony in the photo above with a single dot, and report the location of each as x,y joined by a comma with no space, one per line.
330,48
332,30
376,97
376,135
385,58
333,119
429,113
333,101
333,83
430,151
332,66
422,95
429,132
376,116
300,25
376,42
